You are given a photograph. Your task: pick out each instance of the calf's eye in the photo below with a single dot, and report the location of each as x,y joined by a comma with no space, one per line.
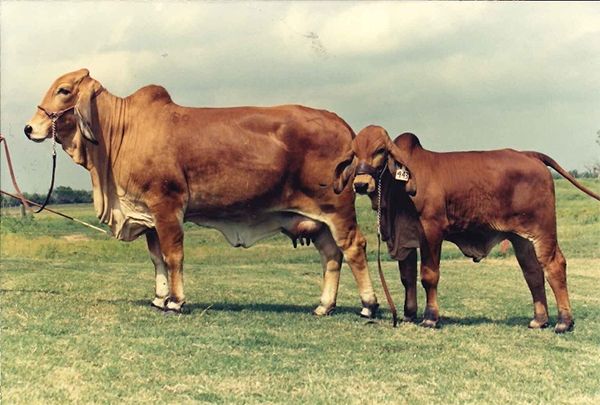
64,91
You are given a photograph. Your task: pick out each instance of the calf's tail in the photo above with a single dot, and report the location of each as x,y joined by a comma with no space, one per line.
548,161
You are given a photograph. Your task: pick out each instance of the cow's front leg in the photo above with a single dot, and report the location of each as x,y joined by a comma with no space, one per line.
161,280
353,244
331,259
170,236
408,276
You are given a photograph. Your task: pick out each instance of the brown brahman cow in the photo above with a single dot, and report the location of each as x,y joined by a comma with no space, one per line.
473,199
248,172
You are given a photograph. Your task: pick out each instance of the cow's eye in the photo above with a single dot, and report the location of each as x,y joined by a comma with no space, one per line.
380,151
64,91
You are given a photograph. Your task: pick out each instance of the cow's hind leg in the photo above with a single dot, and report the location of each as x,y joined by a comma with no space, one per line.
331,259
430,276
555,268
161,281
170,235
353,244
534,276
408,276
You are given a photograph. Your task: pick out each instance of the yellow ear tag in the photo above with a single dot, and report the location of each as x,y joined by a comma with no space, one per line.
402,174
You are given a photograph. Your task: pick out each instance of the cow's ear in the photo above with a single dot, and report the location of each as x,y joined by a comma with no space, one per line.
343,172
83,109
399,170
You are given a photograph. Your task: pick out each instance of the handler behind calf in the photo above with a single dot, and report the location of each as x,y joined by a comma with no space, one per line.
473,199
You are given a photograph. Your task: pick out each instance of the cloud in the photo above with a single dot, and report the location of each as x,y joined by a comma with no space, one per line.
462,75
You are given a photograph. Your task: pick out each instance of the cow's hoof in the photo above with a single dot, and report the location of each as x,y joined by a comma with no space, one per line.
535,324
428,323
563,327
173,307
158,304
369,312
155,307
322,311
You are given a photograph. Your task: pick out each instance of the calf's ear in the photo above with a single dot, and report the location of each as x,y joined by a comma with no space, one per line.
343,172
83,109
399,170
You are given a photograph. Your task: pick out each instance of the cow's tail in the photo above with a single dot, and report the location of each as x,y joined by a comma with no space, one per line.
548,161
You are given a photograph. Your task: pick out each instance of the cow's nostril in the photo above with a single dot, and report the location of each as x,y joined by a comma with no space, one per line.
28,130
361,188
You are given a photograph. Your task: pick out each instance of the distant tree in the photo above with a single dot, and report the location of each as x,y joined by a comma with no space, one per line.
7,201
60,195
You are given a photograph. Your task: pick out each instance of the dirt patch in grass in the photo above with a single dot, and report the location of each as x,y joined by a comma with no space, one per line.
76,237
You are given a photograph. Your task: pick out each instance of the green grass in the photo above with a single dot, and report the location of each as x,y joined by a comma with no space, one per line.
77,328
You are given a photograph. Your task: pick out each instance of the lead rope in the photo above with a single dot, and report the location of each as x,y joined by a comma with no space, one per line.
383,283
14,180
57,213
26,203
54,119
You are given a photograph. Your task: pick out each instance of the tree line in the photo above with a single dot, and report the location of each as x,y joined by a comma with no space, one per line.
60,195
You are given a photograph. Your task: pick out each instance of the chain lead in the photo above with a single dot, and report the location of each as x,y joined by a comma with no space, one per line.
54,119
379,203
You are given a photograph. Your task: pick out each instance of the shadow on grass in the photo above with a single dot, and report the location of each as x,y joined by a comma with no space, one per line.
262,307
189,309
52,292
383,315
482,320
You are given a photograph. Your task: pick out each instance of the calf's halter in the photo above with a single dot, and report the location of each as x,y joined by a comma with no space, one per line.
365,168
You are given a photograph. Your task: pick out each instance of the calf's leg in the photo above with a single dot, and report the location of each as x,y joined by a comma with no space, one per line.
408,276
555,268
331,259
170,235
430,276
161,280
534,276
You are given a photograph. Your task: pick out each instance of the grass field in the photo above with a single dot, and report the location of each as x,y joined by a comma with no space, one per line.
77,327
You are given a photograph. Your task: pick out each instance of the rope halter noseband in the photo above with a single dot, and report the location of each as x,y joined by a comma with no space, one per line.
54,116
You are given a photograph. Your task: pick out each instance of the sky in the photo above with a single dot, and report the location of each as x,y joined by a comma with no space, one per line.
460,75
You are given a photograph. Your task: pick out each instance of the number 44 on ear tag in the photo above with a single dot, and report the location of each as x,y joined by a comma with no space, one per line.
402,174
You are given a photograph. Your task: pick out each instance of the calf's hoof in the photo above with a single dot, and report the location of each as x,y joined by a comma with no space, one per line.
370,311
428,323
323,311
562,327
409,319
535,324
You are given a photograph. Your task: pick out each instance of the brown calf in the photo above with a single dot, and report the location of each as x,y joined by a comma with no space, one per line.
473,199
